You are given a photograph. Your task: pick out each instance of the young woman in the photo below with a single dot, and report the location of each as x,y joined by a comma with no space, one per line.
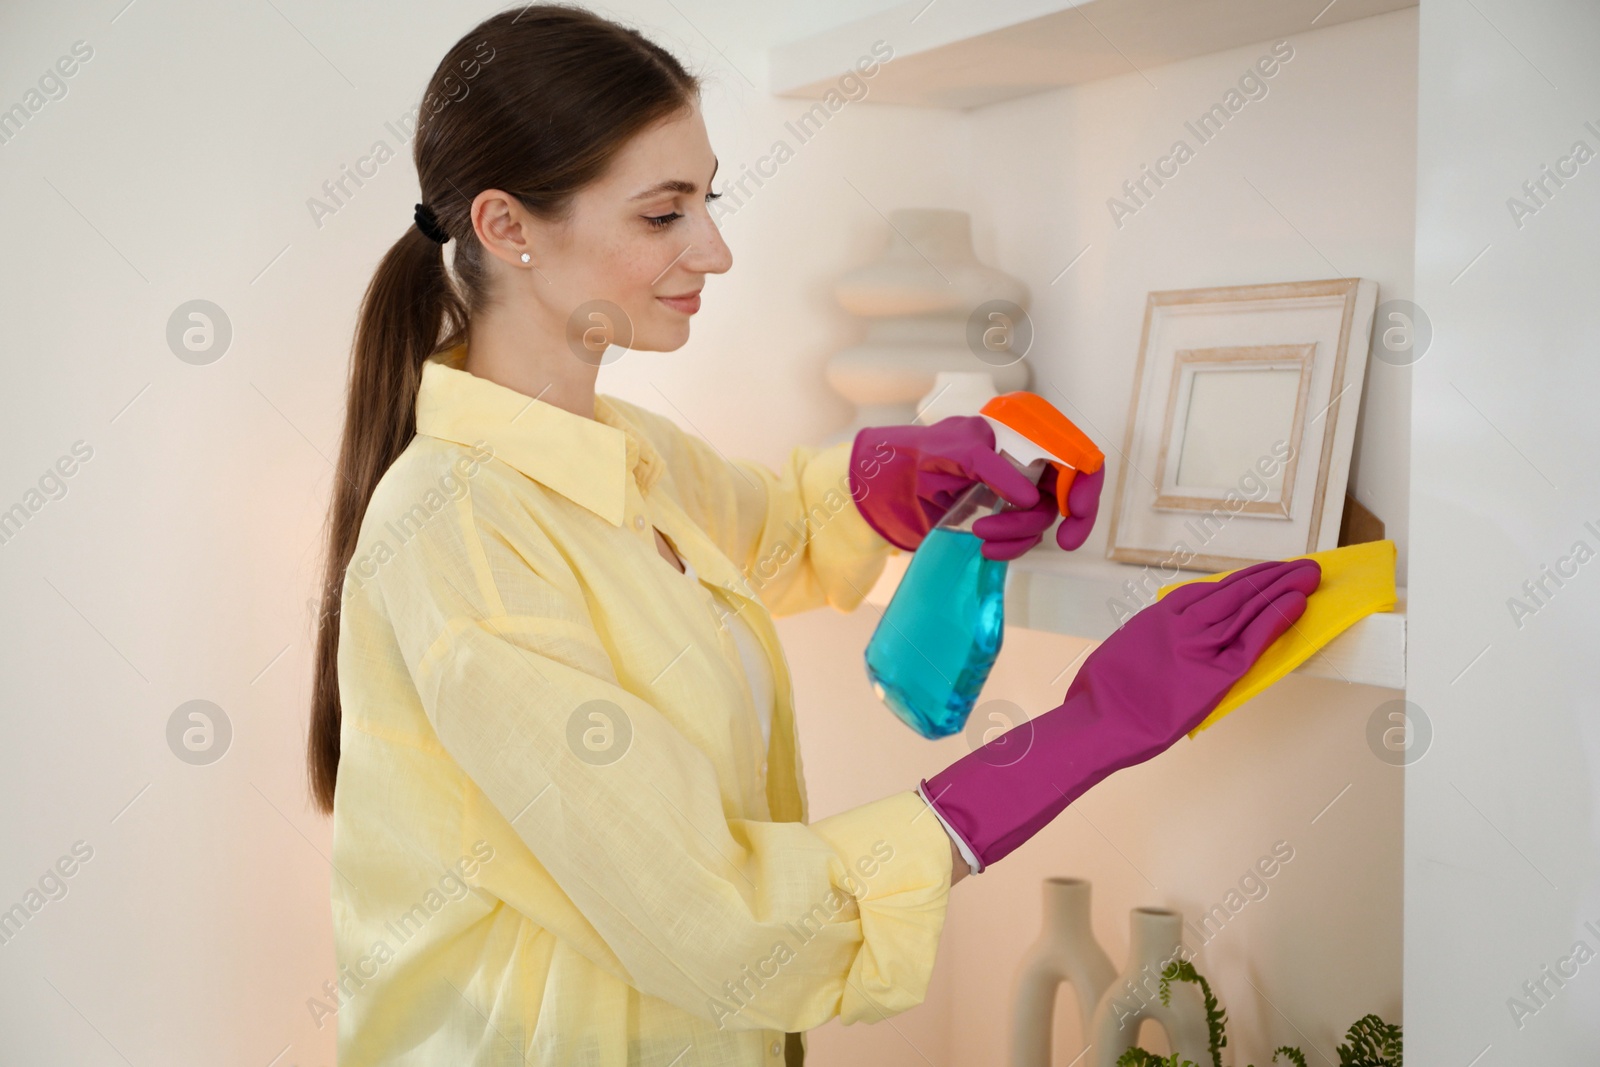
551,718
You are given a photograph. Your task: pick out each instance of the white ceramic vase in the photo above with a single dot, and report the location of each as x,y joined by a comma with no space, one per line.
1066,951
1157,939
920,302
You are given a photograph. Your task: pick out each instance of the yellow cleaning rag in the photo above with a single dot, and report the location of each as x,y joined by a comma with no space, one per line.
1357,580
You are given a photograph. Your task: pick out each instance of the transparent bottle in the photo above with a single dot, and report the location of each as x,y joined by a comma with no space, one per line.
932,651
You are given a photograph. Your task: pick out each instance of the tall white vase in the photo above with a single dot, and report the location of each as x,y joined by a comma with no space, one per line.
924,303
1066,951
1157,936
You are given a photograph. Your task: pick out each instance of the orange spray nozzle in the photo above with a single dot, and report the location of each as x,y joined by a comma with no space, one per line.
1051,434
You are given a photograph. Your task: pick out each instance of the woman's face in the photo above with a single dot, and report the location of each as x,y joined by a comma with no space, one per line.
611,255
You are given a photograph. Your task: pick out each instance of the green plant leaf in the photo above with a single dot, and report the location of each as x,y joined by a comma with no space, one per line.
1138,1057
1371,1042
1216,1017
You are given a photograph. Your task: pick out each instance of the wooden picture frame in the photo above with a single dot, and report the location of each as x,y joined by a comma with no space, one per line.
1224,374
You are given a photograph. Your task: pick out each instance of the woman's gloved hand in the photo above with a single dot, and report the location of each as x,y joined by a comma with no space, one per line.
1008,534
904,478
1144,687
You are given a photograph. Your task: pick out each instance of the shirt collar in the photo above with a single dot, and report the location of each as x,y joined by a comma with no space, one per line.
586,460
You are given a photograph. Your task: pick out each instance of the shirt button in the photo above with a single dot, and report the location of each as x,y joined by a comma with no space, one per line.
777,1048
638,522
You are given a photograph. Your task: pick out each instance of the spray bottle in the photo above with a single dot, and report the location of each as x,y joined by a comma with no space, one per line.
937,641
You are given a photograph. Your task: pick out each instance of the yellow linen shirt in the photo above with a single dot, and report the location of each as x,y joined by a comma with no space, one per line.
557,838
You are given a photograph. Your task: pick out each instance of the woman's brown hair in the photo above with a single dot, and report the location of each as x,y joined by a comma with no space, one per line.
535,101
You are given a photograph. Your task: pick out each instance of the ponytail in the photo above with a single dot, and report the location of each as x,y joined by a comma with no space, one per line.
408,304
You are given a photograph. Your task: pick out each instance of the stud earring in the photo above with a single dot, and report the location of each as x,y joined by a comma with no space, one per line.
526,257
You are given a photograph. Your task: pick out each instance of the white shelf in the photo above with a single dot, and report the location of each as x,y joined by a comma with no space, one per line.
1061,593
961,55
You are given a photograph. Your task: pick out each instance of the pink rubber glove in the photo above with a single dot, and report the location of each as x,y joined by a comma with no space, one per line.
904,478
1008,534
1145,686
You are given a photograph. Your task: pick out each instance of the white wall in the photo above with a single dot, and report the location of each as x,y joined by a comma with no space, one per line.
179,564
1502,861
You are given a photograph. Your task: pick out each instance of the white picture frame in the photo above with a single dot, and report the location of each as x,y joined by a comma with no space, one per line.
1241,423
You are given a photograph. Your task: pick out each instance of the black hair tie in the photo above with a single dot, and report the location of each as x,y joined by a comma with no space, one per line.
428,223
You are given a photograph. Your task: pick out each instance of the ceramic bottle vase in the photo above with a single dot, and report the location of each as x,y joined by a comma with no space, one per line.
928,305
1065,952
1135,996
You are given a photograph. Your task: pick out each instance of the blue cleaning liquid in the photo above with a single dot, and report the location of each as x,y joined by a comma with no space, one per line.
939,636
